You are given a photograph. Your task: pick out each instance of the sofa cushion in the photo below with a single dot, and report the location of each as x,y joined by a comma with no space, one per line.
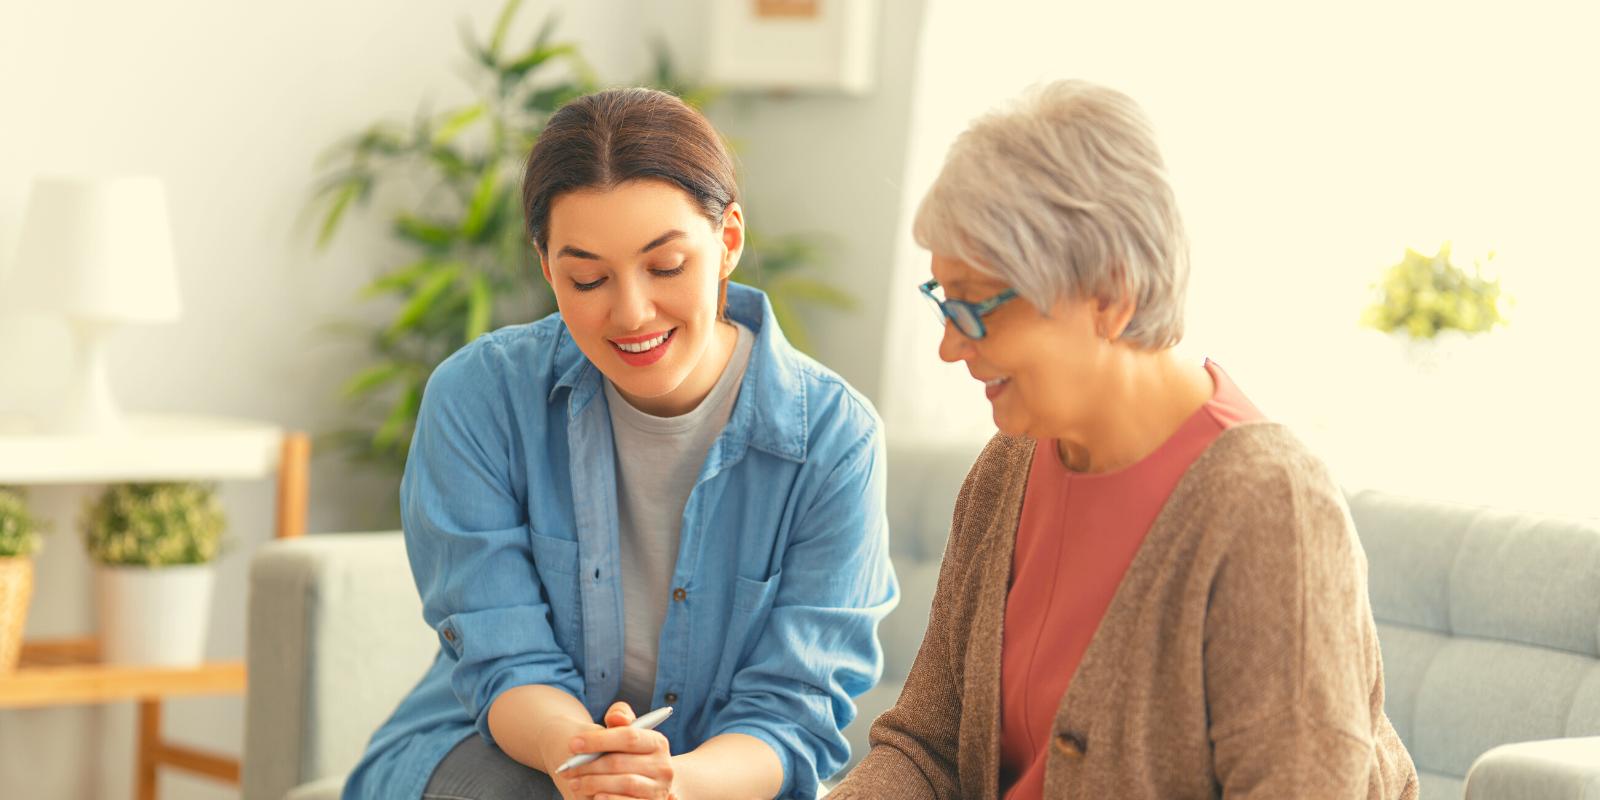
1488,573
1438,786
901,633
1489,624
1410,549
924,480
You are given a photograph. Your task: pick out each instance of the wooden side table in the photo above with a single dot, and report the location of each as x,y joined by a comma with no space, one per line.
151,448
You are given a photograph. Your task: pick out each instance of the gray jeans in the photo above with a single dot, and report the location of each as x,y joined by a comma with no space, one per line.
477,770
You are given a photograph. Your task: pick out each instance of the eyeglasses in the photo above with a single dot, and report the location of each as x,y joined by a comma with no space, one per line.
968,317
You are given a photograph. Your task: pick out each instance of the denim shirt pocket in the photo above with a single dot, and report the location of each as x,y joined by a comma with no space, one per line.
557,563
752,605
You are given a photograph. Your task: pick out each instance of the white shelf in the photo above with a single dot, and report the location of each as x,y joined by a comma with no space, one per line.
151,447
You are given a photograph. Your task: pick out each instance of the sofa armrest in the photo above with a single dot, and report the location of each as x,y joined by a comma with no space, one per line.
1553,769
335,640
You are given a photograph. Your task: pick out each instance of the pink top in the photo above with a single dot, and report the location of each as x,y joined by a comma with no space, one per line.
1077,535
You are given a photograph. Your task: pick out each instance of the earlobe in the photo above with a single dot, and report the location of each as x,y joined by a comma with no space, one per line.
732,238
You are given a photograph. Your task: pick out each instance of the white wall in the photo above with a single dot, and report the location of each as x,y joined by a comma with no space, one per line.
834,165
1308,147
230,103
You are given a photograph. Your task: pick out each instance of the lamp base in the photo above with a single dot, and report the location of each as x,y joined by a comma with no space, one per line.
89,407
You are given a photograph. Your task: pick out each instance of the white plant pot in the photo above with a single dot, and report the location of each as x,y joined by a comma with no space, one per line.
154,615
1437,355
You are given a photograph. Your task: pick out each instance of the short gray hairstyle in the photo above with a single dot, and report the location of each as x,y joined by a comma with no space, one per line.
1065,195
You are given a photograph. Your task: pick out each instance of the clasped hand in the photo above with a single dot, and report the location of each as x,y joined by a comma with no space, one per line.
637,764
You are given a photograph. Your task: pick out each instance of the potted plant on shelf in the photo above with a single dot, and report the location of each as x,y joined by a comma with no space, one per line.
155,544
1428,300
19,539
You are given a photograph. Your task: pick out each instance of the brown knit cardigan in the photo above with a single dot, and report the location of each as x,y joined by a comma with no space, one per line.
1237,659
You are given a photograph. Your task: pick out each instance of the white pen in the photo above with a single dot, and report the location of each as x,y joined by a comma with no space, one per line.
647,722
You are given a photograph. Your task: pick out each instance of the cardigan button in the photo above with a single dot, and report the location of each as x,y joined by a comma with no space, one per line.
670,697
1072,745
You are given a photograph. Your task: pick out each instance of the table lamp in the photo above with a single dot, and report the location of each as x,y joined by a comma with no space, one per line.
99,252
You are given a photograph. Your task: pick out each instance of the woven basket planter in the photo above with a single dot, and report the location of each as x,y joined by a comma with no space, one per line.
16,589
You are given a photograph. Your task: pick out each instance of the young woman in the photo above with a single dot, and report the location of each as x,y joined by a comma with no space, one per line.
647,499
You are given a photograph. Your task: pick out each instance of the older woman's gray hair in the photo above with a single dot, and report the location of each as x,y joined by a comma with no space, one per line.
1065,196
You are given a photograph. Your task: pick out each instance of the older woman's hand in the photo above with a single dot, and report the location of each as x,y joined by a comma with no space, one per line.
638,763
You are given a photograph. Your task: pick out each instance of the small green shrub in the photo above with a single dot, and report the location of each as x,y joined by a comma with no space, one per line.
154,525
19,531
1423,295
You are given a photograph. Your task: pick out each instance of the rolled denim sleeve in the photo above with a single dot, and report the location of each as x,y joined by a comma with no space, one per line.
819,647
467,537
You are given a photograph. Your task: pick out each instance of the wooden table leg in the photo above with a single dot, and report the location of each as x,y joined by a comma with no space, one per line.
294,479
149,745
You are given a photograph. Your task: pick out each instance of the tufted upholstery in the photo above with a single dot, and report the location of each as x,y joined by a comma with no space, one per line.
1490,627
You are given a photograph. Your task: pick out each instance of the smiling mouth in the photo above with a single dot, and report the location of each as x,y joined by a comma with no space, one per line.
994,387
645,344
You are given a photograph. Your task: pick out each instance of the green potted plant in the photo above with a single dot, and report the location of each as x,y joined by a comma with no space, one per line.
1429,301
470,267
155,544
19,540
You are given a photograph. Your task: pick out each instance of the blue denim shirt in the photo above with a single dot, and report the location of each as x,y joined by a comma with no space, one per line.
510,515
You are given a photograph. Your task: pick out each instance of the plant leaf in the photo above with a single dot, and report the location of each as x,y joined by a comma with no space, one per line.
480,304
470,41
401,415
330,221
449,160
483,202
547,29
498,36
372,378
400,279
551,98
427,293
456,122
422,232
533,58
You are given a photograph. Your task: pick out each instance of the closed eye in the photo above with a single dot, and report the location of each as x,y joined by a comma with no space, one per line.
668,273
590,286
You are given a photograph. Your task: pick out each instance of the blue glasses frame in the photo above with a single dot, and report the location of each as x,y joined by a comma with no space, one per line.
967,317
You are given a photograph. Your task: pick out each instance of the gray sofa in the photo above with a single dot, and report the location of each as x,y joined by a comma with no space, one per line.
1489,623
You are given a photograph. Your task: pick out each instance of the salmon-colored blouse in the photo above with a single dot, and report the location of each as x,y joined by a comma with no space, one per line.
1077,535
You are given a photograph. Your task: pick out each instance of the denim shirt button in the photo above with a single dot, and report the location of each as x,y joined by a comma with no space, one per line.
670,697
679,594
450,635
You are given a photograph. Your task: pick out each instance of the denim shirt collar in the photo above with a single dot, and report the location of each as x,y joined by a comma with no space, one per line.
770,414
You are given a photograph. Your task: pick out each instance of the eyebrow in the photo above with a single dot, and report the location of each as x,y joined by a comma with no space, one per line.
669,236
569,250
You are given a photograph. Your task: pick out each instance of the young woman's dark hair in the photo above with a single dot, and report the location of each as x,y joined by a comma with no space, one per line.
609,138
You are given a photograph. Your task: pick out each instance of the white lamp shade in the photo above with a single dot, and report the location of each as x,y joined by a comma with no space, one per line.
96,249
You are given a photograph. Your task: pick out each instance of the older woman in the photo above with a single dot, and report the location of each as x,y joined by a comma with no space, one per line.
1149,590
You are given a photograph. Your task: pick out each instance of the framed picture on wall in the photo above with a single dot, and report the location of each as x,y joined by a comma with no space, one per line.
800,45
